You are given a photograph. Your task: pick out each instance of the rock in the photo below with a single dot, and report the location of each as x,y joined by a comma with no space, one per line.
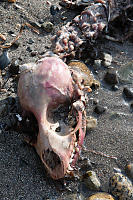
47,26
97,63
131,106
54,10
107,59
91,123
101,196
129,170
111,77
30,41
33,53
128,92
15,45
126,73
3,109
14,67
91,181
115,87
121,187
29,49
4,60
99,109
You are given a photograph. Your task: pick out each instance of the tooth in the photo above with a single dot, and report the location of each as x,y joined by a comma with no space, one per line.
72,155
71,160
77,149
73,150
70,168
75,144
68,172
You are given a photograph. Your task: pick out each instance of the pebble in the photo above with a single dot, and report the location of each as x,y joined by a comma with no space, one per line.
115,87
47,26
54,10
129,170
126,73
121,187
3,109
97,63
29,49
91,180
111,77
30,41
107,59
14,67
15,45
101,196
128,92
91,123
33,53
99,109
4,60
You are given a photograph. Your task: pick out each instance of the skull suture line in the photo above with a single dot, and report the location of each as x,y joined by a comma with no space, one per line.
43,89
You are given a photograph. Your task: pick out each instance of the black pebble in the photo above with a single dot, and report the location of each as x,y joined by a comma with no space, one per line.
128,93
111,77
15,45
54,9
115,87
99,109
14,67
4,60
29,49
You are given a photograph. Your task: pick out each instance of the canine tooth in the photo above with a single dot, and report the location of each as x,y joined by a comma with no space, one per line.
72,155
70,168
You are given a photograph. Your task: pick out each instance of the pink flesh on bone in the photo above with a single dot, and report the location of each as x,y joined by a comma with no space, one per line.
41,89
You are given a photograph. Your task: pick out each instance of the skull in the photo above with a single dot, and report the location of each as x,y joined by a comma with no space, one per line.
45,89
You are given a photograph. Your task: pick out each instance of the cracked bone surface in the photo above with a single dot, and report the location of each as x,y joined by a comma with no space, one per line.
45,89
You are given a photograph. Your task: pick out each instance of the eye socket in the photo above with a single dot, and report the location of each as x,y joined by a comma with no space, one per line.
29,127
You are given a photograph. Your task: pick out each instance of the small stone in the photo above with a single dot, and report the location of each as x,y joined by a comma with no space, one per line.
107,59
54,10
97,63
29,49
15,45
99,109
91,123
3,109
111,77
47,26
128,92
33,53
91,181
121,187
4,60
115,87
101,196
126,73
14,67
129,170
30,41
